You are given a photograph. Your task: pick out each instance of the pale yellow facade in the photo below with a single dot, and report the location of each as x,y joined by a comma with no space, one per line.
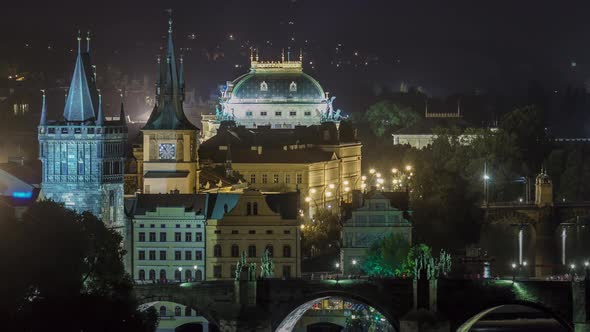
178,171
251,227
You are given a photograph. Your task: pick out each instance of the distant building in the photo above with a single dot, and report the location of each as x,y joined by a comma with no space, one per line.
252,223
168,159
371,222
168,242
322,162
422,133
82,153
176,317
275,94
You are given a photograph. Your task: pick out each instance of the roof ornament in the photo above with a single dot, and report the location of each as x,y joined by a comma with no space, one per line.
88,42
79,40
169,10
43,120
283,55
251,54
301,55
99,119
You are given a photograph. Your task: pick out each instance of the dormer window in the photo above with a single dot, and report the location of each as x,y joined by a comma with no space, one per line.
293,87
263,86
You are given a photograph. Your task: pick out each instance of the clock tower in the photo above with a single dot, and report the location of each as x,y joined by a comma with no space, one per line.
170,153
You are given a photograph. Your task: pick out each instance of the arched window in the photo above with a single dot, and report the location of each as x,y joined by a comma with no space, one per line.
235,250
142,275
252,251
287,251
187,311
217,250
255,209
177,311
162,311
270,249
248,209
177,275
152,275
162,274
293,86
188,274
198,275
263,86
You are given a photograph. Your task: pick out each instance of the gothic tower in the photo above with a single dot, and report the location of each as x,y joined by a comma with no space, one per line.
82,153
543,189
170,146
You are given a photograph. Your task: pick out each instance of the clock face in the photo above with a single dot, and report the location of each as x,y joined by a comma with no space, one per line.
167,151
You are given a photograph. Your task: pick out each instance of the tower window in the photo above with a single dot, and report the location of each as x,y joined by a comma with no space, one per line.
263,86
292,113
252,178
263,113
249,113
264,178
293,87
278,113
307,113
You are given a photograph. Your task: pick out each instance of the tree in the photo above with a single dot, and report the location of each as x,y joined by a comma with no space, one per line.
387,256
322,232
63,262
386,116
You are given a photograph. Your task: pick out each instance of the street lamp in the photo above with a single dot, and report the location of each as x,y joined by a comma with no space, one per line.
354,262
573,270
513,272
372,171
332,186
180,274
394,170
408,168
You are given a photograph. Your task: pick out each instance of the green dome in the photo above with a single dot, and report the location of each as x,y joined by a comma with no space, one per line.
278,86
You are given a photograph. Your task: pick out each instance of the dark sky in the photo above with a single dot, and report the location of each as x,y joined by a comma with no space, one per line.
445,46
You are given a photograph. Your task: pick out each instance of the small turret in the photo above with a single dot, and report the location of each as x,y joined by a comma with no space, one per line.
100,117
43,120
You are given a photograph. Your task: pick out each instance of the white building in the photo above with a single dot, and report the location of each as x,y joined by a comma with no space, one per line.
168,243
275,94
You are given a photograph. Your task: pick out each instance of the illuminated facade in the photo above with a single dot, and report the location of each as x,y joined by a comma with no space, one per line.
169,161
83,154
275,94
372,222
251,223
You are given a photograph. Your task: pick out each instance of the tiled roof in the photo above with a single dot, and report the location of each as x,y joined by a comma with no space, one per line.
278,87
191,202
29,172
220,203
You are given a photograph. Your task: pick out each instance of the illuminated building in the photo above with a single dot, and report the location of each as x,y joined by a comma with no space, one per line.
274,93
371,222
83,154
251,223
168,160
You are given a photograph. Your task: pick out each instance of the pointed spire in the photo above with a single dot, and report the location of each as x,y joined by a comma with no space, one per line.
300,55
288,55
426,108
251,55
88,42
122,118
283,55
159,79
100,117
181,78
257,54
79,102
43,120
459,107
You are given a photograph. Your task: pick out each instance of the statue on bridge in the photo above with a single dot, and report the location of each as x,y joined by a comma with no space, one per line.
267,266
243,264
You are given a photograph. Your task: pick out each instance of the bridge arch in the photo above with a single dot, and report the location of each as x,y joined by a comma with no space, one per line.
293,313
522,305
158,302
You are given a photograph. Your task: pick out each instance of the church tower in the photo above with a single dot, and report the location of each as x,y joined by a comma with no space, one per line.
82,153
170,146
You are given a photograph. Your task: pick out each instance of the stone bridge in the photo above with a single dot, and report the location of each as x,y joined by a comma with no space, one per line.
542,226
276,305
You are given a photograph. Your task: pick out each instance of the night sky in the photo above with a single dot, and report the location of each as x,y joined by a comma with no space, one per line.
444,46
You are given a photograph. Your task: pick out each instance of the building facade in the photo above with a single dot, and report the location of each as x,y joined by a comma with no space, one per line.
376,219
82,154
277,94
252,223
169,159
168,243
322,162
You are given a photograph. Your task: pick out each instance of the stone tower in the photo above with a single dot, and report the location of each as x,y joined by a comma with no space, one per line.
170,146
83,154
543,189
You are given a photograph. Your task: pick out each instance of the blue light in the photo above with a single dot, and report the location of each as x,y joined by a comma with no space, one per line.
22,194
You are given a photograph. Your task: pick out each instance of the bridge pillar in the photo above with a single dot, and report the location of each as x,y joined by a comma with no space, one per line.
424,317
580,306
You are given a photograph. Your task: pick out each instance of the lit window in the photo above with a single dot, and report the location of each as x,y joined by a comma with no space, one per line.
275,178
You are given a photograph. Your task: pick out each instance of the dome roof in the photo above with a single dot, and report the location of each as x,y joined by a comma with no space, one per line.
281,86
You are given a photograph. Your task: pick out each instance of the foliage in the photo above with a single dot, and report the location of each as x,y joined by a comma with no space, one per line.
322,232
66,273
387,256
386,116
